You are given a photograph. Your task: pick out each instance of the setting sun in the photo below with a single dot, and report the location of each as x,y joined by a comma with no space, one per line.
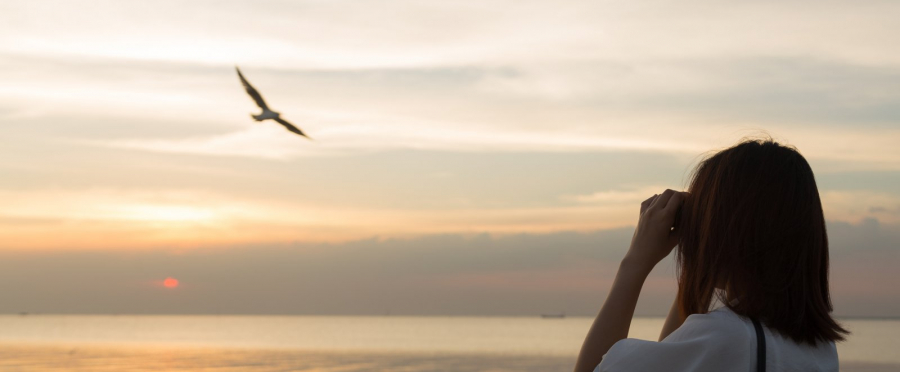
170,283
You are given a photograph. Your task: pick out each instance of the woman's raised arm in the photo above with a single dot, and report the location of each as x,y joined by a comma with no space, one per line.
653,240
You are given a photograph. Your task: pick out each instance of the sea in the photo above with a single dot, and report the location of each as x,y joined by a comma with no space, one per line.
343,343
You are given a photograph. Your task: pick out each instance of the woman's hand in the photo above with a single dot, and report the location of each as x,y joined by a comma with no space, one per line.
654,237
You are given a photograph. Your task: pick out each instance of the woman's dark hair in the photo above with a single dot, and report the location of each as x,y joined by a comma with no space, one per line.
753,225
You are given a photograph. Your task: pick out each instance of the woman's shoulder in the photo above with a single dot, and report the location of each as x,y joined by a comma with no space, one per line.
718,340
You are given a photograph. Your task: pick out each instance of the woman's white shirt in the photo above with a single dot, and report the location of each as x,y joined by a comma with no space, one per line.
717,341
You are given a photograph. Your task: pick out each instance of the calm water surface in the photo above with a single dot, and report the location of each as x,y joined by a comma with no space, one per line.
311,343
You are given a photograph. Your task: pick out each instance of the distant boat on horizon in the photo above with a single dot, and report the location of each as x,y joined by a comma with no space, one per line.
553,316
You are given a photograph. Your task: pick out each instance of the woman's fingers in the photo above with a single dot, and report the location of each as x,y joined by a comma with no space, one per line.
668,201
663,198
646,203
675,201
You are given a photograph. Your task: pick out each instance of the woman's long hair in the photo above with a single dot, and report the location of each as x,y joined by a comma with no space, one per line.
753,226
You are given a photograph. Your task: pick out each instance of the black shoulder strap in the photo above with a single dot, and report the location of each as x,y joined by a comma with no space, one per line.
760,347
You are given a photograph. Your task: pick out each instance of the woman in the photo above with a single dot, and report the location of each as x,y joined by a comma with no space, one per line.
751,235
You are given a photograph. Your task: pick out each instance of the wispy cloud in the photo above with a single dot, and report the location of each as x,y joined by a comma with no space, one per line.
682,108
407,33
632,196
191,218
859,205
272,142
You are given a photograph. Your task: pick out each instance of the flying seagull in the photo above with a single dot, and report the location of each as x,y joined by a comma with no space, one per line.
266,112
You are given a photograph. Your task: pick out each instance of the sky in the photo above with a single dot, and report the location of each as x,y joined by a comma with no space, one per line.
469,158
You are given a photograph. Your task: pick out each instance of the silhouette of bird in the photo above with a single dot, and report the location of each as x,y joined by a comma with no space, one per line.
266,112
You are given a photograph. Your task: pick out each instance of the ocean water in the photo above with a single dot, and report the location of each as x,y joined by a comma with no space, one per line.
337,343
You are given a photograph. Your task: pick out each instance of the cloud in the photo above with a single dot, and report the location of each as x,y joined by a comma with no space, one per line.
413,34
860,205
446,274
631,197
272,142
190,218
884,210
681,107
346,203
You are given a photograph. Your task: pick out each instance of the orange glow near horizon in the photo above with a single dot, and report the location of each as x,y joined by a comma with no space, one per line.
74,225
170,282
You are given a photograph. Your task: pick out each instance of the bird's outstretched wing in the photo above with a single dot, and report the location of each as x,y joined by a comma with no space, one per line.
252,91
291,127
